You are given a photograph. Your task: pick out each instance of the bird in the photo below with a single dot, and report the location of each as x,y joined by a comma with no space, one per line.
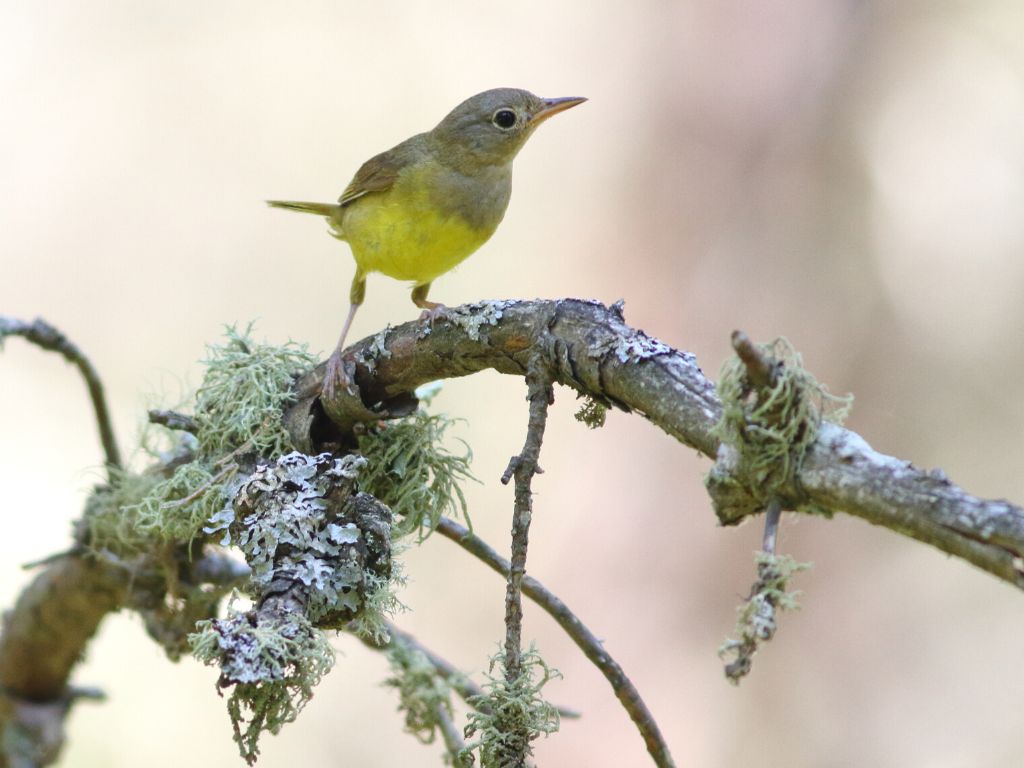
419,209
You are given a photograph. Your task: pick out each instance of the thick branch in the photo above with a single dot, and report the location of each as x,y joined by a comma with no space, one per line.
584,344
46,631
589,348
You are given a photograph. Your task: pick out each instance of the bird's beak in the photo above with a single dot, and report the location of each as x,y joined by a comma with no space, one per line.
554,106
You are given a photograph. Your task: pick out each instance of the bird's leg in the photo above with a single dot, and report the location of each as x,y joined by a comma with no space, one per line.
334,376
432,310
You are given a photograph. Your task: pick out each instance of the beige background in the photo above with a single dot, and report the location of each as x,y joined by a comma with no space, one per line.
850,175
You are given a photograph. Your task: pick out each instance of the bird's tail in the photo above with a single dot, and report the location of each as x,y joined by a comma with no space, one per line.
320,209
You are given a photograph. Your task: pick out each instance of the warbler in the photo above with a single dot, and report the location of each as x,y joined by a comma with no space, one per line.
417,210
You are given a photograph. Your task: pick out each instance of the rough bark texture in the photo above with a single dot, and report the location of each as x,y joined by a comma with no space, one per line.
586,345
591,349
46,631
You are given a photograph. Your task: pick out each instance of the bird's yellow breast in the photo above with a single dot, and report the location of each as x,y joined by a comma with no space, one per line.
404,233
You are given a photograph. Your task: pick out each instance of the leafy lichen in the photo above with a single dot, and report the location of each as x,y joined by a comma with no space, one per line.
473,318
631,347
320,555
271,662
302,527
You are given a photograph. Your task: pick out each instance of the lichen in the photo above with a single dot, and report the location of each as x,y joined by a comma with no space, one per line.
756,624
472,318
409,469
771,428
511,714
238,411
629,348
320,555
271,662
243,395
377,349
639,346
303,527
423,693
592,413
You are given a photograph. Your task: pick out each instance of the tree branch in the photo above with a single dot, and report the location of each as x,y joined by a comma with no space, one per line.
523,467
44,335
587,642
584,345
589,348
460,684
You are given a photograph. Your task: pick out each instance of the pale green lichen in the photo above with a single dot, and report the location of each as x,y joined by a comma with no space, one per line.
380,601
424,695
238,411
592,413
241,402
756,624
772,428
409,469
107,526
271,663
512,714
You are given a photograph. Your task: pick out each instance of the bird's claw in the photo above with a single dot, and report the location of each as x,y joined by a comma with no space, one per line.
335,378
434,313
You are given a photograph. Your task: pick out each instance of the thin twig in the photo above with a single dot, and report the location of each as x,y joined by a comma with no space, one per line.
761,370
459,682
773,513
72,551
174,420
587,642
453,742
224,473
44,335
465,688
523,467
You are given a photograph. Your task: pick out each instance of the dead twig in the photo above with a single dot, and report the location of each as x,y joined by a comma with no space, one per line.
45,336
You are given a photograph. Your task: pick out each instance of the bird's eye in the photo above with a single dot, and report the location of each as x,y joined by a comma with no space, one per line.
504,118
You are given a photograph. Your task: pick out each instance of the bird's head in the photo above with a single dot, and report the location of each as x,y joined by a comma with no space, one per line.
491,127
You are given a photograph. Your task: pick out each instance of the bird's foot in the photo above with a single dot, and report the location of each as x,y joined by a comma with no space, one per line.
335,378
433,313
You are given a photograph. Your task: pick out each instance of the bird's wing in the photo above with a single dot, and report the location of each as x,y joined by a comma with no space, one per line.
379,173
376,175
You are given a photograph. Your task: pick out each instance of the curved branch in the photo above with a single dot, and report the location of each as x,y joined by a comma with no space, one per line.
44,335
590,348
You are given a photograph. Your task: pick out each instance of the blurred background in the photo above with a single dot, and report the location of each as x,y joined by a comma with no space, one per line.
847,174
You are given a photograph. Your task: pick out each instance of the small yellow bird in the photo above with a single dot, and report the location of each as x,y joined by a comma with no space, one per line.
419,209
